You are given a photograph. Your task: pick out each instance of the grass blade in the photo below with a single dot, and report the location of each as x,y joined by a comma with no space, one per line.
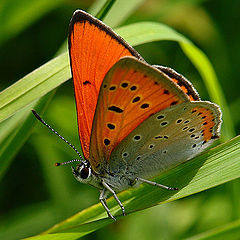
144,32
105,9
214,167
227,231
15,16
15,131
115,17
34,85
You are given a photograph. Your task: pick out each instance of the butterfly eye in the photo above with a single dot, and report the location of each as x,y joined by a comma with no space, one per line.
85,173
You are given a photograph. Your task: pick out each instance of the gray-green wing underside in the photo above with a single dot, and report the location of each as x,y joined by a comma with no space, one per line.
166,139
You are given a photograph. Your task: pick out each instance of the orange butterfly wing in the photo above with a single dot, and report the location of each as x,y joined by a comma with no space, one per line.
130,93
94,48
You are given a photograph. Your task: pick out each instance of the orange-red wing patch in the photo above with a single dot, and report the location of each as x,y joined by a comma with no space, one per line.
181,81
93,49
130,93
209,121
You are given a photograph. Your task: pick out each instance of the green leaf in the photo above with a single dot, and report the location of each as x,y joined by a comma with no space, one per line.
214,167
115,17
34,85
12,137
205,68
15,16
16,130
105,9
227,231
27,220
144,32
62,236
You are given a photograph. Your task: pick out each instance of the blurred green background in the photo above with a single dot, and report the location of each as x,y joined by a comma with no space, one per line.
34,194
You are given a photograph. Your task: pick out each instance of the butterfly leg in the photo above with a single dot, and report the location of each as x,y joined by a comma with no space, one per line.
155,184
102,199
115,196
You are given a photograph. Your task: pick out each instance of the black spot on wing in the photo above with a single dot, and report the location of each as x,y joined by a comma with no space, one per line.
112,88
166,91
106,142
136,99
145,105
133,88
124,85
86,83
111,126
115,109
174,103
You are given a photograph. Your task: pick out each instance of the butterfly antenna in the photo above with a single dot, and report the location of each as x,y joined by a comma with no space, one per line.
67,162
58,164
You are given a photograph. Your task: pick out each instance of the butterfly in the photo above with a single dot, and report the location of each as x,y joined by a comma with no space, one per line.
135,120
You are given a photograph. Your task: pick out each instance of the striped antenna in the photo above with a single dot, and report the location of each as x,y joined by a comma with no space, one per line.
67,162
58,164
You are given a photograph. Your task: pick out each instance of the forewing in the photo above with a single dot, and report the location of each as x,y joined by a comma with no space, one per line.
93,50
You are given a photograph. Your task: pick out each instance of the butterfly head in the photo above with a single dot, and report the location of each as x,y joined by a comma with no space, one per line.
84,174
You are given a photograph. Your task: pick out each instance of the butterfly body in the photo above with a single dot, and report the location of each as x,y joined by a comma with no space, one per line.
117,180
135,120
